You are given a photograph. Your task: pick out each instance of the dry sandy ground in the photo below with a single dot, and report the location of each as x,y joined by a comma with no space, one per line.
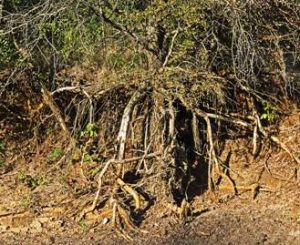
270,219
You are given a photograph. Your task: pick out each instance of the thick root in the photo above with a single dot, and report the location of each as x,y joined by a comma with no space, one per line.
136,196
214,161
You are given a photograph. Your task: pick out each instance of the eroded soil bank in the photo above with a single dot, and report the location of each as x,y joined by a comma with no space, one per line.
268,215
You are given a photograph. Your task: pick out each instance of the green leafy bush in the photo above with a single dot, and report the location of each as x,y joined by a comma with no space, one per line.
269,112
55,155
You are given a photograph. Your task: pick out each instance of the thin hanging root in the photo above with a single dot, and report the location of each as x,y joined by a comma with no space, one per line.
211,186
223,175
184,208
181,211
121,140
115,217
93,206
255,139
122,135
214,161
244,124
254,188
171,122
49,101
196,134
277,141
114,213
82,161
130,191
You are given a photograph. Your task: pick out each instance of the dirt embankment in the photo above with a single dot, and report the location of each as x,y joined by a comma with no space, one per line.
266,214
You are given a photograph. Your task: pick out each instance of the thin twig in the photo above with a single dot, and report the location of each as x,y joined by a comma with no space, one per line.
170,48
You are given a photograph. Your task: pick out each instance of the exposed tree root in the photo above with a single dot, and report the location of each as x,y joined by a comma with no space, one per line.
255,140
161,147
121,218
254,188
196,133
48,100
122,222
181,211
137,197
279,143
215,162
167,158
121,141
120,182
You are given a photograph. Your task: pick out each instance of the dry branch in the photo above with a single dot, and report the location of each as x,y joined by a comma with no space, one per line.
125,30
